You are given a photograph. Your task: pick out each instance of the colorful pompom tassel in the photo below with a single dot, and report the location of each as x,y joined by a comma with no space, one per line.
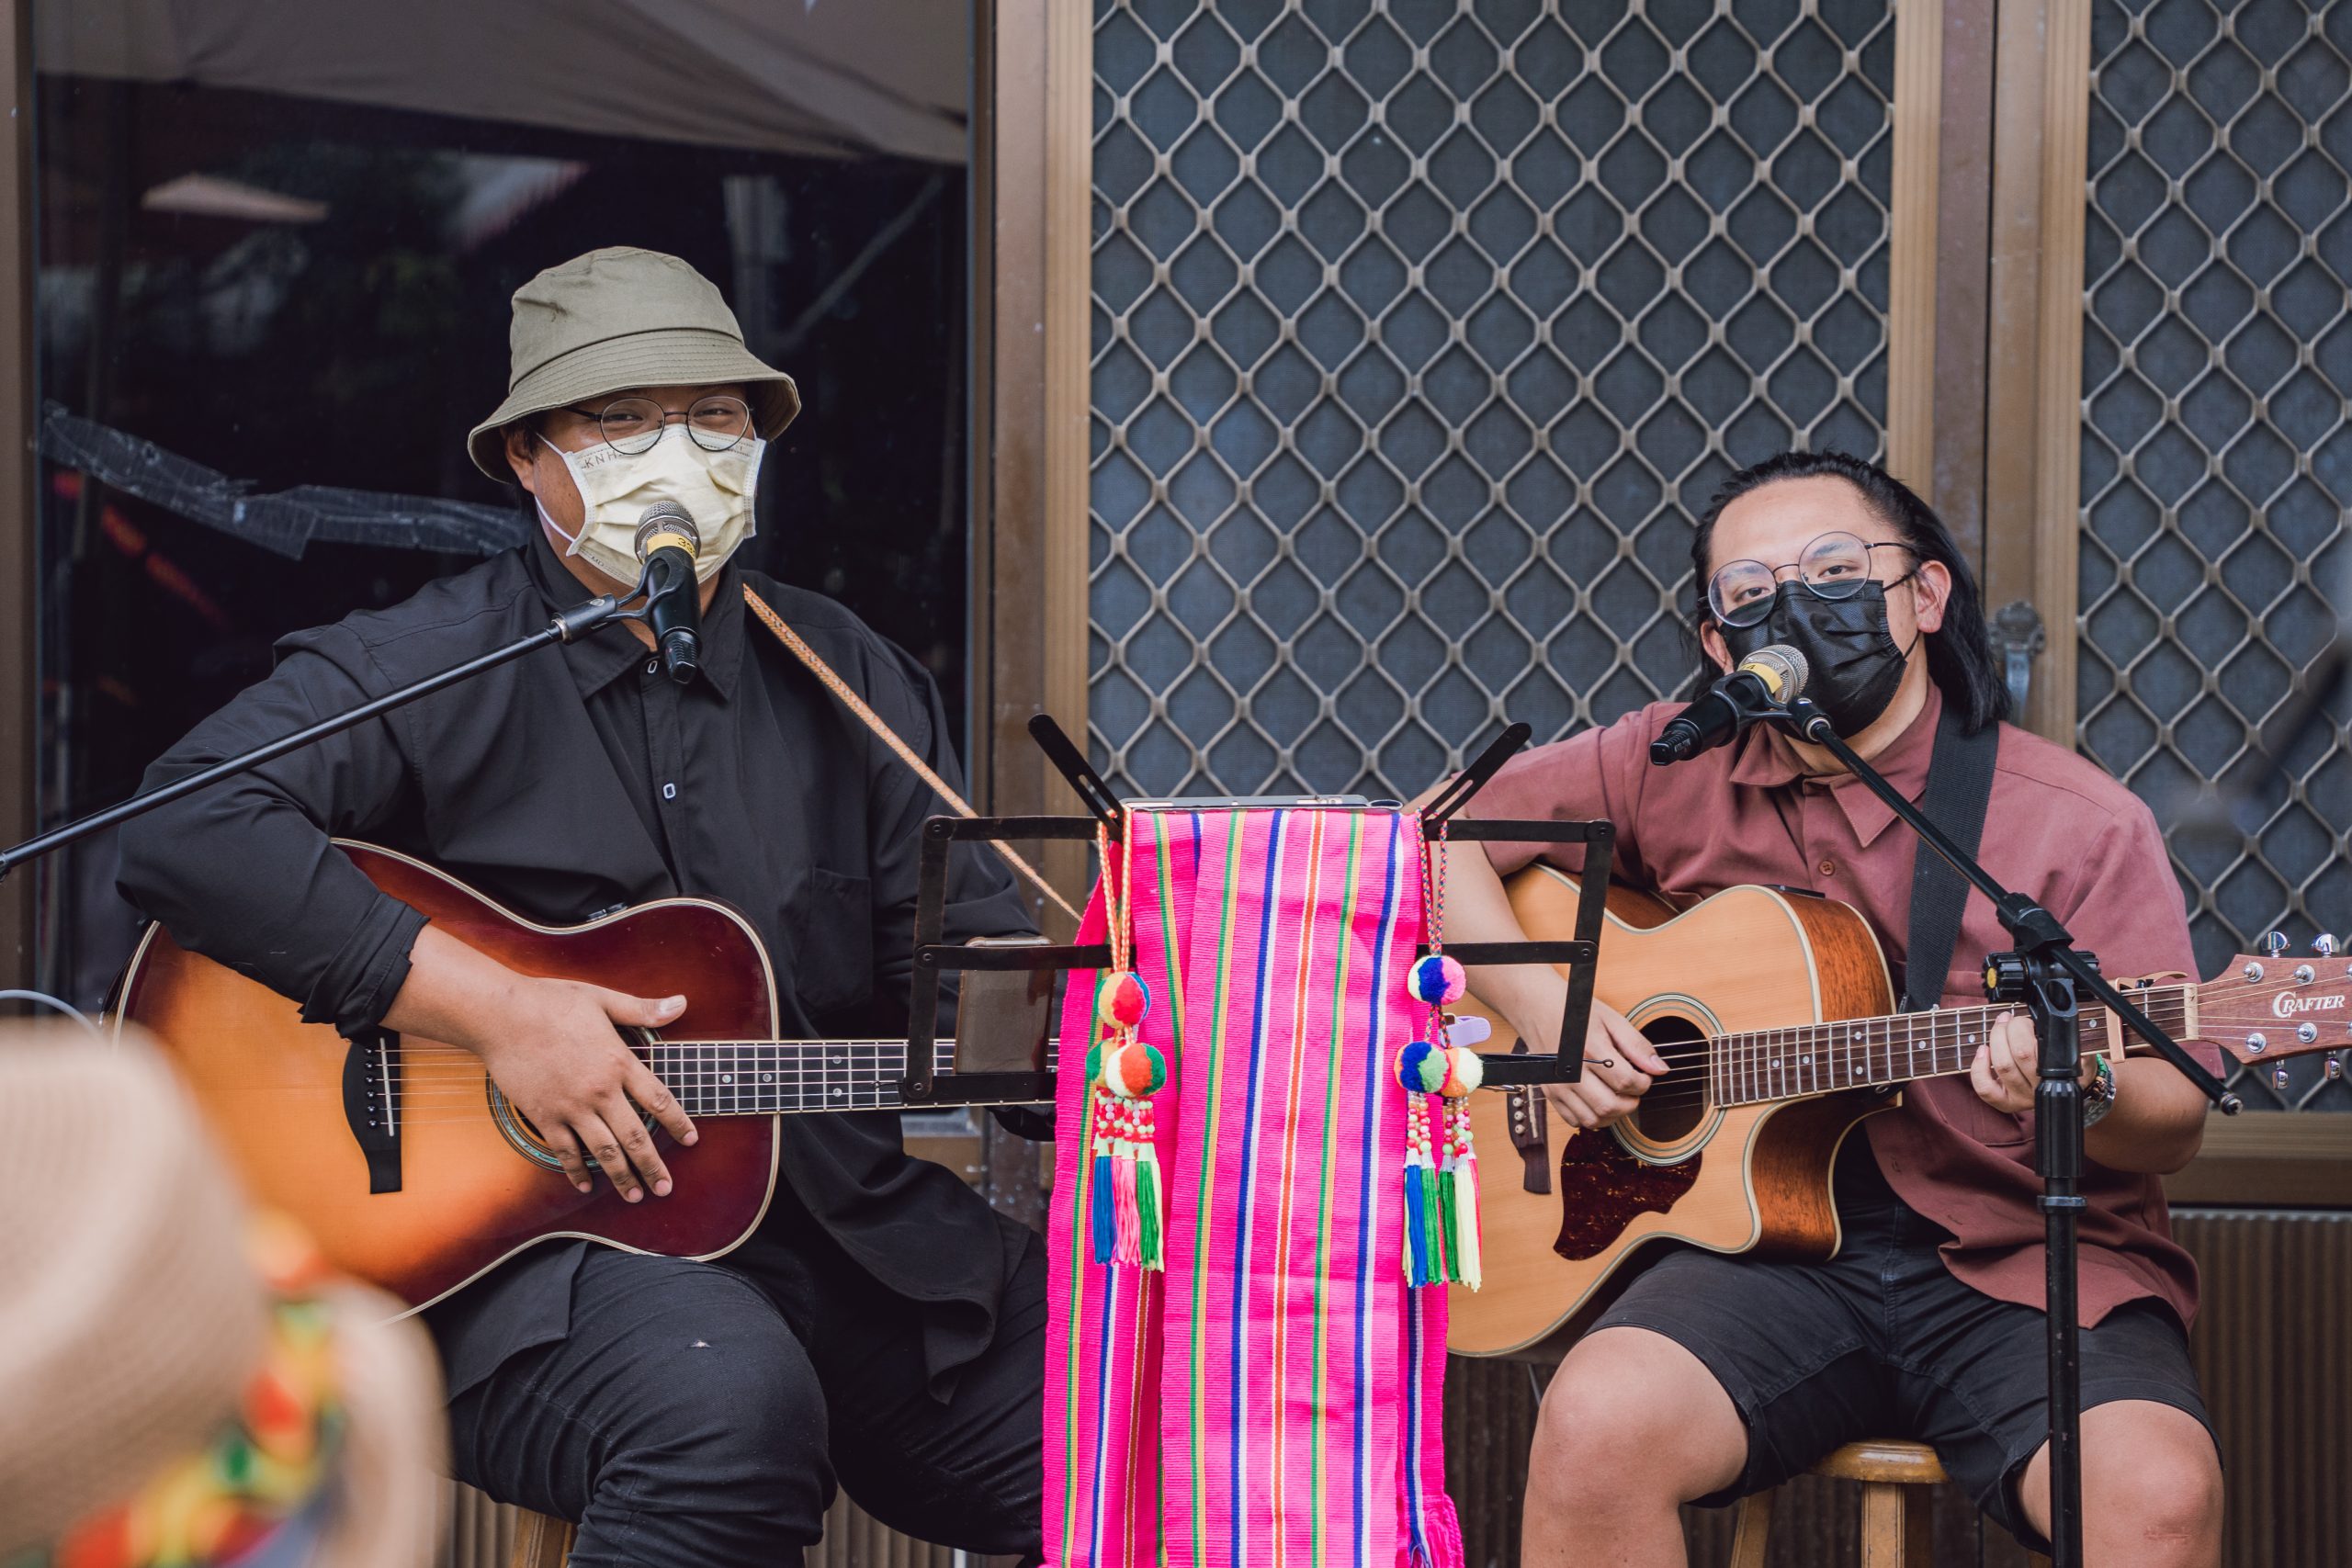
1123,1000
1438,1209
1129,1223
1420,1211
1461,1181
1124,1073
1436,980
1440,1200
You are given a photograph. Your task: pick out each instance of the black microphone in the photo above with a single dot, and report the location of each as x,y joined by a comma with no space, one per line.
1766,682
666,542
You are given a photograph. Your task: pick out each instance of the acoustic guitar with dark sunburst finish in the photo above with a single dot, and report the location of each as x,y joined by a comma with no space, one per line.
402,1157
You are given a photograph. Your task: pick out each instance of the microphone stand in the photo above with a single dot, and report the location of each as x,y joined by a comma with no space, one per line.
2045,973
567,625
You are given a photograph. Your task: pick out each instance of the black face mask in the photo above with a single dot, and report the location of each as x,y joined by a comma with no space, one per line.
1855,667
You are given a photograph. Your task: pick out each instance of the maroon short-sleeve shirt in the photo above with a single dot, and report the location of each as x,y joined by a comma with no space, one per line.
2056,828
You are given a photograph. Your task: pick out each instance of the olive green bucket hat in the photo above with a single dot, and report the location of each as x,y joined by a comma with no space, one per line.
621,318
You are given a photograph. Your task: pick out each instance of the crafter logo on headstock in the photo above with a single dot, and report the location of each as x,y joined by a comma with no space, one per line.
2287,1004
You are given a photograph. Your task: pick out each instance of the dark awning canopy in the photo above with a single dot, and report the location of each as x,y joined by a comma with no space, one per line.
810,77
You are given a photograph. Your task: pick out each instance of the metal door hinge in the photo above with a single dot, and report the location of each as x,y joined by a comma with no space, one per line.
2019,632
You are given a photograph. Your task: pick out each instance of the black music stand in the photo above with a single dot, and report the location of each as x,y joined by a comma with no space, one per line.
923,1084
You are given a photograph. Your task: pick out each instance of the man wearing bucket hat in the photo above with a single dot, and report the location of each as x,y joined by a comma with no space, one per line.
883,1329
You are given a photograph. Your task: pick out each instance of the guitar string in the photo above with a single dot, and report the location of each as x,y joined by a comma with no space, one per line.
1746,1056
1757,1077
439,1088
2164,997
442,1084
1743,1051
1648,1101
799,1097
1741,1065
1747,1053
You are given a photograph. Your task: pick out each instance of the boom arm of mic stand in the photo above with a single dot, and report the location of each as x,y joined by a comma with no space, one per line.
2035,927
568,626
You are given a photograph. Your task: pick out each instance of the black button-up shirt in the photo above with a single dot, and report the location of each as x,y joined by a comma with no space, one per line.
576,779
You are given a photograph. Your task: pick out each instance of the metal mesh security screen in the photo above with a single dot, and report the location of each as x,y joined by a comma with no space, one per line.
1421,332
2217,460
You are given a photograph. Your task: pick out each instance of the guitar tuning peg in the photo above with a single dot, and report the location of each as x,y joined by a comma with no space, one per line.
2278,1078
2274,942
2335,1067
2324,944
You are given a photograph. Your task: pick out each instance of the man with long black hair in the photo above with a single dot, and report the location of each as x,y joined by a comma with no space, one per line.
1713,1376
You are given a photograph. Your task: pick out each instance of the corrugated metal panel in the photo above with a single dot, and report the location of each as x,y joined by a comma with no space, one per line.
481,1535
2272,1356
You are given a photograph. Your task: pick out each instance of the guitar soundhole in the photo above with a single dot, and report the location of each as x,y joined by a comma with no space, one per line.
1677,1103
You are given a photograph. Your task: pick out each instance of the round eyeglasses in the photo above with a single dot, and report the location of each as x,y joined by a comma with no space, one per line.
1834,565
631,426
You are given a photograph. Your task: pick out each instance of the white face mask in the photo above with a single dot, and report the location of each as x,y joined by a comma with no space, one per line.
716,489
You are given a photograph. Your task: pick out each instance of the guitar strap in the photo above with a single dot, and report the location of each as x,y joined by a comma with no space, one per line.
1960,784
890,738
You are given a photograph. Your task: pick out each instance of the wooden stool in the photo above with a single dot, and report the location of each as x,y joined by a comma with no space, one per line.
541,1541
1895,1512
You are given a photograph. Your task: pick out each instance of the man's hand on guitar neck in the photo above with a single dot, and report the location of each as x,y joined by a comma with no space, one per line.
2155,1125
553,1047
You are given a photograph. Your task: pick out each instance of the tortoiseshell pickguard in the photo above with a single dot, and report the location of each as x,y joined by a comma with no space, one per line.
1603,1189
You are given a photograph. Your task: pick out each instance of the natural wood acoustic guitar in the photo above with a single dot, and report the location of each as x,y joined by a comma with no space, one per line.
1775,1013
408,1166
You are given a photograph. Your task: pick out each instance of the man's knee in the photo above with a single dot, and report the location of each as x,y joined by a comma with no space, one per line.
727,1416
1629,1402
2151,1485
2155,1469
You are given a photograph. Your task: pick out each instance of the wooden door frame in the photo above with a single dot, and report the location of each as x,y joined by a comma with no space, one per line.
2033,423
1912,256
19,510
1992,110
1031,195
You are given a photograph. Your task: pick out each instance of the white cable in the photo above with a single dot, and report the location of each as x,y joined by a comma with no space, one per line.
45,999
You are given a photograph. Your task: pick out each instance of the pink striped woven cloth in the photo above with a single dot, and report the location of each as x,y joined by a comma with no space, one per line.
1274,1398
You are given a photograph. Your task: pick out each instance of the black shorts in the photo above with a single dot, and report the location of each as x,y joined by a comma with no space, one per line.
1882,1341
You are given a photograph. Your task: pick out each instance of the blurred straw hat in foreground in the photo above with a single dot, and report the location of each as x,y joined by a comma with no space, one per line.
184,1383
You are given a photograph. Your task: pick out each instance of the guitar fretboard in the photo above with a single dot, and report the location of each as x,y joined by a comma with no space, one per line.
1861,1053
766,1078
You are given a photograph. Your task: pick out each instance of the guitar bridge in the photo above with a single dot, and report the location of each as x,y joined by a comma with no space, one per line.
371,1105
1526,1109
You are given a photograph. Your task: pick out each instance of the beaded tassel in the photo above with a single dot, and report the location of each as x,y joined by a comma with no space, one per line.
1440,1167
1123,1072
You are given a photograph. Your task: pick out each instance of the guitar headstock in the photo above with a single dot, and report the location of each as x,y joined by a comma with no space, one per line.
2275,1004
